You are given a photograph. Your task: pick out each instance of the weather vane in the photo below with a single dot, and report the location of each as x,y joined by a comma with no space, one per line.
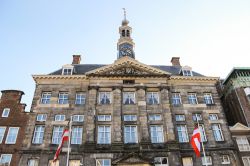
124,11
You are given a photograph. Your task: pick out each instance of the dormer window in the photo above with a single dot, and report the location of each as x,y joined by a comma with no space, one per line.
186,71
67,70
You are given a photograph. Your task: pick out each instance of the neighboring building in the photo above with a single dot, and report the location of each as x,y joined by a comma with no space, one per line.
126,113
13,120
241,137
236,96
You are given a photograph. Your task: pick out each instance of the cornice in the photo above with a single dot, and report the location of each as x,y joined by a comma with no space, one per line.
58,77
194,78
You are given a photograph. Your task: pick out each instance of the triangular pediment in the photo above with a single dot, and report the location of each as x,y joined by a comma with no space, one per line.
130,159
127,66
239,127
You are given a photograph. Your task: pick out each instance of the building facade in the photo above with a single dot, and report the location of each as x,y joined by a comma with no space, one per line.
13,119
126,113
236,96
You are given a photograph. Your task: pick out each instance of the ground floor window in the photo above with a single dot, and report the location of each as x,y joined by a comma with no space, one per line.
161,161
103,162
33,162
74,163
187,161
5,159
51,163
246,160
208,160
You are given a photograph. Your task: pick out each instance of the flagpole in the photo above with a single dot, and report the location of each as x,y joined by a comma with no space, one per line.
203,149
69,140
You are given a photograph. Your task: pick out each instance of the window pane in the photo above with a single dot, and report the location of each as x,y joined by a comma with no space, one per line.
156,134
12,135
78,118
38,135
5,158
192,99
182,133
104,98
128,98
57,134
2,131
41,117
45,99
33,162
217,132
130,118
80,98
103,162
6,112
63,98
104,135
152,98
130,134
176,99
76,135
208,98
180,118
187,161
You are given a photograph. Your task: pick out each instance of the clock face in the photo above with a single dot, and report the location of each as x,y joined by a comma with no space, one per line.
126,50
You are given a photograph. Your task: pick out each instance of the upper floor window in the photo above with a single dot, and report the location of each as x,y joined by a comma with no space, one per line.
128,97
41,117
182,133
104,117
46,97
80,98
203,133
12,135
129,117
2,131
59,117
130,134
217,132
103,162
104,135
161,161
67,71
57,134
187,73
208,160
243,143
152,98
197,117
176,98
225,159
76,135
179,118
5,159
213,117
38,135
6,112
155,117
104,97
63,98
192,99
156,133
78,118
208,99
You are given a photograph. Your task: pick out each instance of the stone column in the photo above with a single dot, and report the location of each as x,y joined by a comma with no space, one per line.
116,121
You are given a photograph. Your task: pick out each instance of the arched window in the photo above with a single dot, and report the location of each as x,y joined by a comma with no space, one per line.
123,33
128,33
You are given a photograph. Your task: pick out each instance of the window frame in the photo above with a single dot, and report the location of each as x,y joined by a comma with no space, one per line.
128,140
98,163
244,146
38,134
190,159
187,72
77,138
80,98
129,98
107,134
45,97
209,160
106,118
183,136
179,119
223,159
57,134
107,98
8,135
220,132
213,117
197,115
153,117
63,98
203,133
6,110
59,118
130,118
36,162
176,98
78,119
153,98
159,134
248,160
160,160
42,119
67,71
3,133
208,99
192,98
1,158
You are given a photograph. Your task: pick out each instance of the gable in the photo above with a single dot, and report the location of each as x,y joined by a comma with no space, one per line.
239,127
127,66
130,159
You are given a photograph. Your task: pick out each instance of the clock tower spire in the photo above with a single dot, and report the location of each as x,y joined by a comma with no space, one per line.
125,44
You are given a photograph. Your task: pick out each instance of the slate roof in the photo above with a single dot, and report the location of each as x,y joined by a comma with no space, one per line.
80,69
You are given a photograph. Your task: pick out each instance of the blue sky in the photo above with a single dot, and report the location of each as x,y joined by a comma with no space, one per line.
38,37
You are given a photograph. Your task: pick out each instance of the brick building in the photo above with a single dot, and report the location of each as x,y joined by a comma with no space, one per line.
126,113
13,120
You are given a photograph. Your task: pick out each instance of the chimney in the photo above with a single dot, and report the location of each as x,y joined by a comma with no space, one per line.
175,61
76,59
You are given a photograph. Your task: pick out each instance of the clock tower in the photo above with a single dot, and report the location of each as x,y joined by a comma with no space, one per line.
125,45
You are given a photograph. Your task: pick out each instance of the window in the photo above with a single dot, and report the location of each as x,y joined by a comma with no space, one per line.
246,160
203,133
213,117
192,99
243,143
161,161
80,98
156,133
103,162
217,132
104,97
57,134
2,131
208,162
155,117
104,135
104,117
6,112
208,98
5,159
197,117
38,135
187,161
59,117
225,159
63,98
33,162
75,163
67,71
128,98
176,99
179,118
182,133
153,98
41,117
187,72
76,135
12,135
53,163
130,118
78,118
130,134
46,97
